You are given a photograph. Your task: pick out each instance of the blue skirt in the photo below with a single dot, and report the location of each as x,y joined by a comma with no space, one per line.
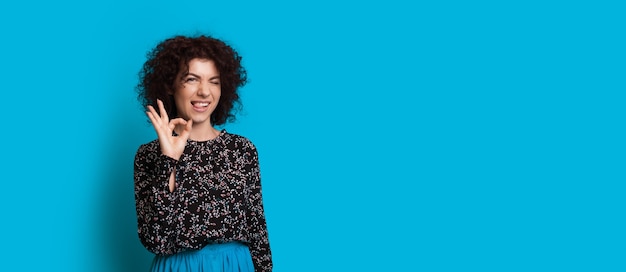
228,257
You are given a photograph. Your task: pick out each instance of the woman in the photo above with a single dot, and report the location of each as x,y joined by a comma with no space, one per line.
198,189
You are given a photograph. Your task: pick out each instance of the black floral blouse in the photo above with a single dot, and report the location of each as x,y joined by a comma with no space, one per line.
217,198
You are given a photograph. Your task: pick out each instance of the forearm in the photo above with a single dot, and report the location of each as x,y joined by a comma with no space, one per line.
155,199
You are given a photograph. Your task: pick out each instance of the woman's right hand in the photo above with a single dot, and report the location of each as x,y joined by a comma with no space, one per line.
171,146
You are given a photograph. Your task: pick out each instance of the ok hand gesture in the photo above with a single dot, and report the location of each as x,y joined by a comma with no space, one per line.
171,146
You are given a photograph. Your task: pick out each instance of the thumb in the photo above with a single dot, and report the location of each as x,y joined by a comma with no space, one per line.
187,129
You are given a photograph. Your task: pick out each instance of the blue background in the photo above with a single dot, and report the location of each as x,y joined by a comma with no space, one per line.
393,135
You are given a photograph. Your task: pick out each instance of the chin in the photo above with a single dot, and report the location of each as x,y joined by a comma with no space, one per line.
201,119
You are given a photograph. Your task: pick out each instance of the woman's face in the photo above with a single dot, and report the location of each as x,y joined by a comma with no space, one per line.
198,91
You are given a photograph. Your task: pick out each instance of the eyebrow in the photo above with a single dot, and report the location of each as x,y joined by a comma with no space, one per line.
192,74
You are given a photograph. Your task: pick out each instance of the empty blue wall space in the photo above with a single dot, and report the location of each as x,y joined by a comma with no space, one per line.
392,135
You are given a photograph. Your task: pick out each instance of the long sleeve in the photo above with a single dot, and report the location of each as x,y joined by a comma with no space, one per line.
217,198
154,202
257,232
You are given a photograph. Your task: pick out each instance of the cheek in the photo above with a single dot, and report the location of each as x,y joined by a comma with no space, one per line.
217,93
184,93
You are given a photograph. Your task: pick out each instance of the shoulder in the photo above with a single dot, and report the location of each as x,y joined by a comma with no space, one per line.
236,141
148,147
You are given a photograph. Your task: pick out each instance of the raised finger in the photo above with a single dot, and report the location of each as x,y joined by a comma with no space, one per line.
163,111
155,115
155,122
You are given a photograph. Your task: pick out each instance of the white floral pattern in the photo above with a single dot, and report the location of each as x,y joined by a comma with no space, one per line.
217,198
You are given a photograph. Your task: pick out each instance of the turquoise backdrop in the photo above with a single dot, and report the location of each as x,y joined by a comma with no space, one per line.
393,135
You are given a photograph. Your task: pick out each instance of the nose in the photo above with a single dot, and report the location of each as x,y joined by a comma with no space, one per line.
203,89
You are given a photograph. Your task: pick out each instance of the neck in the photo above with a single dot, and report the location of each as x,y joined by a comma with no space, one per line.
202,132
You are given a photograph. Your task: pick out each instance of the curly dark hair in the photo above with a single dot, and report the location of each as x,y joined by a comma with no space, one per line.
157,78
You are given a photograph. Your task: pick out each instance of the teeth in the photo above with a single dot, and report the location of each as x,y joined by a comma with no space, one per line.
201,104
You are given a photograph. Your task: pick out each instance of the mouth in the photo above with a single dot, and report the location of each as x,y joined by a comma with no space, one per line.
200,105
